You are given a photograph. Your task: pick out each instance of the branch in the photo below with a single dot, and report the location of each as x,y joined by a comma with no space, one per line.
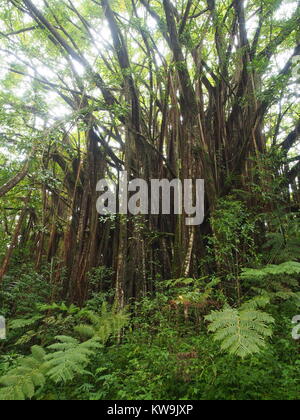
290,140
157,18
188,93
270,49
44,23
293,173
14,181
269,93
185,17
20,31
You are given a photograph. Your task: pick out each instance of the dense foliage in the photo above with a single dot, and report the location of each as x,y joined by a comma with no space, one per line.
145,307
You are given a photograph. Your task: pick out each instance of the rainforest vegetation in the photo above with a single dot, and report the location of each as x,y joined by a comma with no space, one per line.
146,307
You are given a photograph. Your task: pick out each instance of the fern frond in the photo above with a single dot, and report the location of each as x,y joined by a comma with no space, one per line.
22,323
21,383
283,248
291,268
241,332
70,358
102,326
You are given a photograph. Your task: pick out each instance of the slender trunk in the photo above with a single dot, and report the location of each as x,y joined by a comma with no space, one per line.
14,241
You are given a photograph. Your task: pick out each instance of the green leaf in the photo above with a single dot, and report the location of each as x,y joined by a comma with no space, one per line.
241,332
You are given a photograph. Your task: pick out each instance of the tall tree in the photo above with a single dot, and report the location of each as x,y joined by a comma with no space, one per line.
161,89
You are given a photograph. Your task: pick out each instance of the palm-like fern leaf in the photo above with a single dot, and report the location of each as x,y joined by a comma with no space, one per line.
67,358
241,332
291,268
104,326
70,358
21,383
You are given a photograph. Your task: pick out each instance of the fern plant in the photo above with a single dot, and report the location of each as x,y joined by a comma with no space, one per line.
284,244
291,268
101,328
281,281
62,361
70,358
21,383
243,331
